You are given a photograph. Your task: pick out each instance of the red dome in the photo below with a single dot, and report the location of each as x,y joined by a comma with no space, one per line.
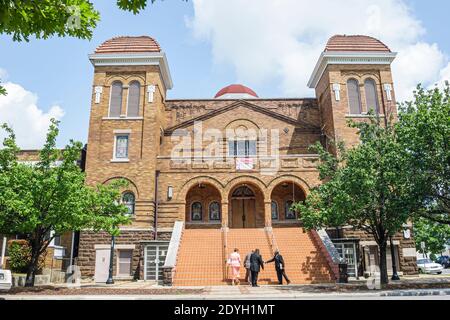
236,89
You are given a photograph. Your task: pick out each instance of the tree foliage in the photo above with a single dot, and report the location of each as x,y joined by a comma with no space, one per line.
365,187
434,235
51,196
45,18
424,131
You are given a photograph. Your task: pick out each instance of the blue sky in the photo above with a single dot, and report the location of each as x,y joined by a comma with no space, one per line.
210,44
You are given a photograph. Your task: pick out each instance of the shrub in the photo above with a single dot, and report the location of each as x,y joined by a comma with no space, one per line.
20,256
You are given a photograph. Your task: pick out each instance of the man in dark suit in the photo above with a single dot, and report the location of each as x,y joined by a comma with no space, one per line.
256,263
279,267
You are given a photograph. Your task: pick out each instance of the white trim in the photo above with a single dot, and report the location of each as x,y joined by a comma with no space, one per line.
343,58
388,89
337,91
98,90
116,247
374,243
174,244
141,59
122,118
151,89
122,131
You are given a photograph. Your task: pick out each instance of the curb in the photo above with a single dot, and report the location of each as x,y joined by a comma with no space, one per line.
411,293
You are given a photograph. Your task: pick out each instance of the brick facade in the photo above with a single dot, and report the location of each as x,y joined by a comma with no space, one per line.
152,170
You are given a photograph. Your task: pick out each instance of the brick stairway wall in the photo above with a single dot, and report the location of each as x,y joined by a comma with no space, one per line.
200,258
305,262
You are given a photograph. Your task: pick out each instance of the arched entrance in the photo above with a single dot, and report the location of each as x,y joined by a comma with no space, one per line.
246,207
203,205
283,196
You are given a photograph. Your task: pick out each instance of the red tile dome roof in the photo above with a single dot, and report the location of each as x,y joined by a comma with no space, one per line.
356,43
236,89
139,44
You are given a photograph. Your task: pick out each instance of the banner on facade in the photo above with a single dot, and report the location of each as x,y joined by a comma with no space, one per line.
245,164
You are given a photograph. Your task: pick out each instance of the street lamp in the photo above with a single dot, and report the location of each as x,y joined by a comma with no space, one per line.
111,262
395,276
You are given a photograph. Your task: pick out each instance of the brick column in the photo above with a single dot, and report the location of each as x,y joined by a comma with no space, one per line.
225,214
268,214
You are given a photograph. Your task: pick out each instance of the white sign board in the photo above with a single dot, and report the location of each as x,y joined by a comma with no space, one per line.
244,164
5,279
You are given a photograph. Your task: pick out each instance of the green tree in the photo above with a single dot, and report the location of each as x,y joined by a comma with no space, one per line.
51,195
424,131
365,187
46,18
434,235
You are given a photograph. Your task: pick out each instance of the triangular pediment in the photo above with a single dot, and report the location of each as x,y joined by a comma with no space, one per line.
299,124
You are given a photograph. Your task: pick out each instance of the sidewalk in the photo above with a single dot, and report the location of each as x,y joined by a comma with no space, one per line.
418,287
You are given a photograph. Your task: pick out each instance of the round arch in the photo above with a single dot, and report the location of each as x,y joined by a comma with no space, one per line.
181,195
289,178
131,185
233,183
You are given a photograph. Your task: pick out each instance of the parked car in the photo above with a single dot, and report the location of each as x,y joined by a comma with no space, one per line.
428,266
444,261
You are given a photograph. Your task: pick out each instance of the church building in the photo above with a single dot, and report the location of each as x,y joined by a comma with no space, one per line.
206,176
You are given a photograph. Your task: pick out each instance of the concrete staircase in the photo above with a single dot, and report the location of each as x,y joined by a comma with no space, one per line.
200,259
247,240
305,261
202,252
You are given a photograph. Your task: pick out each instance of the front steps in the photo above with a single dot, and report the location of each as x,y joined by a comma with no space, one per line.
200,260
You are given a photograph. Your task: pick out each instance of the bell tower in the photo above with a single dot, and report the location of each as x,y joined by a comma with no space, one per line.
131,79
352,76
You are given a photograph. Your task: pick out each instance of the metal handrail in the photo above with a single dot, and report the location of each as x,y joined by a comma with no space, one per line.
225,251
272,240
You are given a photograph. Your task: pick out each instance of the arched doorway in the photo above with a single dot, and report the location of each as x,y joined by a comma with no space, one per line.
203,205
283,196
246,207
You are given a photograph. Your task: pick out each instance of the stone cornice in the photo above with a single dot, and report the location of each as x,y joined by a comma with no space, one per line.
342,58
141,59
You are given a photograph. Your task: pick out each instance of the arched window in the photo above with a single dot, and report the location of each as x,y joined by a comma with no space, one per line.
371,95
354,97
288,212
275,210
196,211
134,93
214,211
115,104
129,200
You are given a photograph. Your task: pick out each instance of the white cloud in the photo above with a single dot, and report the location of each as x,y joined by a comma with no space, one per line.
445,76
19,109
279,41
3,75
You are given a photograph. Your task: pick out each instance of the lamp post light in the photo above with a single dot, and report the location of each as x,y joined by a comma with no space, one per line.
111,262
395,276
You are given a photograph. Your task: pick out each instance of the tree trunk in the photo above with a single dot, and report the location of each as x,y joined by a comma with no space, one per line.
383,264
32,268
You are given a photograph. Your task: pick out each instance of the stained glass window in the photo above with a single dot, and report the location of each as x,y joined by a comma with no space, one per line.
214,211
196,211
121,147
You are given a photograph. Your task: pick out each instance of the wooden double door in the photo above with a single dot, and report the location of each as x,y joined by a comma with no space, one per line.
243,213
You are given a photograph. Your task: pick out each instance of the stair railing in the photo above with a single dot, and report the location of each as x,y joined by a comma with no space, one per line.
225,252
272,240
